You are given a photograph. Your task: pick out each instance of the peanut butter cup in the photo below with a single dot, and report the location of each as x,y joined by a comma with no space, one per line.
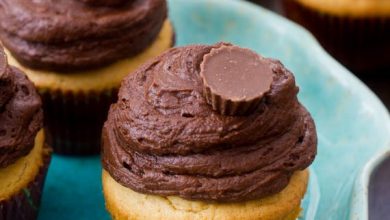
235,79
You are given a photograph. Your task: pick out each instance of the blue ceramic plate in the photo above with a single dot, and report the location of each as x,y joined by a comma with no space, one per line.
352,123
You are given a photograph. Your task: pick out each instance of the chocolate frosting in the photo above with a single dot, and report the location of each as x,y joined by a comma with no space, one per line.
65,35
105,2
20,113
162,137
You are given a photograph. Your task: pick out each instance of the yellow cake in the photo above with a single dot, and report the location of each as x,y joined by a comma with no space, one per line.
101,79
24,171
126,204
354,8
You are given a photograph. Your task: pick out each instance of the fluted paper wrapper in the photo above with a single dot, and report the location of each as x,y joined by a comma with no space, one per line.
74,121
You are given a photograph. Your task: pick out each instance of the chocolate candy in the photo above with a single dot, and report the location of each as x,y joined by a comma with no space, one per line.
235,79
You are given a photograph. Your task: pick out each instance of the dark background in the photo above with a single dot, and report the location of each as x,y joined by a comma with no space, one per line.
378,81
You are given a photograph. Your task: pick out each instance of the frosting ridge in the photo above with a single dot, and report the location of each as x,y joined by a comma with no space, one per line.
66,35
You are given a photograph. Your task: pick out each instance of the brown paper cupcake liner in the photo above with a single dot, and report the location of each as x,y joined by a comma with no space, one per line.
360,43
73,121
25,204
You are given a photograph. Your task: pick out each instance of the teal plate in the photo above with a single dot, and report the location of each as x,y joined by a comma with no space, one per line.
352,123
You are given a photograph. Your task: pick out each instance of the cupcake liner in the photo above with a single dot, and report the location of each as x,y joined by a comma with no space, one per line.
73,121
25,204
360,43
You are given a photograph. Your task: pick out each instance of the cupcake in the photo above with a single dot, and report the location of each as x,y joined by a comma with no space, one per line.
355,32
76,52
207,132
24,157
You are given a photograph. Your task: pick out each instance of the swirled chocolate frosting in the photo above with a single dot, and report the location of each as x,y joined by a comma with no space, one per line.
105,2
20,113
65,35
162,137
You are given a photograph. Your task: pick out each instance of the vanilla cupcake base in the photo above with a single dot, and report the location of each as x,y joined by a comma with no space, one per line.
124,203
21,183
100,79
76,103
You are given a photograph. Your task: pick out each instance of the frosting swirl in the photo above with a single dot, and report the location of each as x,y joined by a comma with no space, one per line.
20,113
65,35
162,137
